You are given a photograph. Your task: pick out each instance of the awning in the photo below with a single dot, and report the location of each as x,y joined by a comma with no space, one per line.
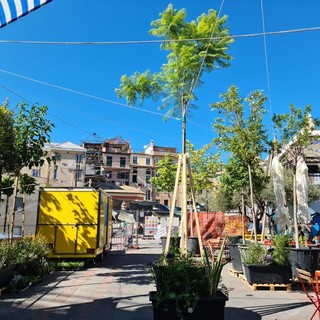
126,217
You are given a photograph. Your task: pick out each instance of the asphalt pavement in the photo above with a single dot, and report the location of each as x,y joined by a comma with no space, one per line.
118,289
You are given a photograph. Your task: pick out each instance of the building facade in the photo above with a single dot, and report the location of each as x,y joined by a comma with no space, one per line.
68,170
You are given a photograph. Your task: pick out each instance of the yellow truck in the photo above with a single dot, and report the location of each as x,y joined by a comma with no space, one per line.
77,222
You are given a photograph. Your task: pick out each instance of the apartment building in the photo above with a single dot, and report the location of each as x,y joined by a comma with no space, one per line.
107,161
67,172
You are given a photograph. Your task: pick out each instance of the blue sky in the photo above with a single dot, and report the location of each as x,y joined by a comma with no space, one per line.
89,73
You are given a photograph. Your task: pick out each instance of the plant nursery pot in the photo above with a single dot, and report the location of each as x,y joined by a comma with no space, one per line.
193,245
304,258
235,257
206,308
267,274
174,242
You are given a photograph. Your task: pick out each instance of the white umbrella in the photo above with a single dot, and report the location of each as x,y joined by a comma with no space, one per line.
282,219
303,213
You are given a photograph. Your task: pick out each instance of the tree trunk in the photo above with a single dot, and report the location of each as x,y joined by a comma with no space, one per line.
295,215
15,192
6,216
242,216
254,225
23,214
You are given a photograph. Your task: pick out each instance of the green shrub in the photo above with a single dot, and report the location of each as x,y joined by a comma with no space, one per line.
8,253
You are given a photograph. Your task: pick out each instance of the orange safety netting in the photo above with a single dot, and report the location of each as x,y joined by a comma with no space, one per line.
214,225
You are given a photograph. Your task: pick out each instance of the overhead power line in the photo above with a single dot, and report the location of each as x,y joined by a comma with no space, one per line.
135,42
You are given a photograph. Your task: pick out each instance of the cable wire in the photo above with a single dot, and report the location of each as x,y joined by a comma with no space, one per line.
137,42
266,60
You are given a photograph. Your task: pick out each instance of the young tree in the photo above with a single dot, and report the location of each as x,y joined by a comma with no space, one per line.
32,131
7,138
245,138
194,47
295,132
204,167
164,179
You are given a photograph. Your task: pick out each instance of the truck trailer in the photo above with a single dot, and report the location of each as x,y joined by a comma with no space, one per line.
76,222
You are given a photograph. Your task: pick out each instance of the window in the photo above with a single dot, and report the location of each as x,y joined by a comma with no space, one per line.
148,171
157,160
148,161
135,170
148,179
36,173
166,202
134,178
122,162
78,158
109,161
148,194
78,176
135,160
97,170
123,175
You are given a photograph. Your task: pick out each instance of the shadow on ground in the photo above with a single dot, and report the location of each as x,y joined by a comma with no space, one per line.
109,308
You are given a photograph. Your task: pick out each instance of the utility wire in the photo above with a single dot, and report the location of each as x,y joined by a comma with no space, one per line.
136,42
266,60
85,94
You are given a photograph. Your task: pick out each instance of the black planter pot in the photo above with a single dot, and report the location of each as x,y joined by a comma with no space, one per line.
174,242
193,245
242,252
267,274
5,276
304,258
205,306
235,257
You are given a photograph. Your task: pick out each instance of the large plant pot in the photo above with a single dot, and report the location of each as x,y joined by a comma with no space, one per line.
242,252
267,274
193,245
205,307
304,258
174,242
5,276
235,257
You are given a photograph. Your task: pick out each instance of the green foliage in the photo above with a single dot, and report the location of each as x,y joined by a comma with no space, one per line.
296,128
280,253
213,268
32,131
254,254
8,253
19,282
7,186
260,254
181,280
166,174
7,139
204,166
186,61
244,137
27,184
68,264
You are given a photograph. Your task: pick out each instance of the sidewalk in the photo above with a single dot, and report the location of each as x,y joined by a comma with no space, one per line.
118,287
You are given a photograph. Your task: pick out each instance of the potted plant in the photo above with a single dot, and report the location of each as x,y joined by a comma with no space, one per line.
188,288
7,262
22,261
268,264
